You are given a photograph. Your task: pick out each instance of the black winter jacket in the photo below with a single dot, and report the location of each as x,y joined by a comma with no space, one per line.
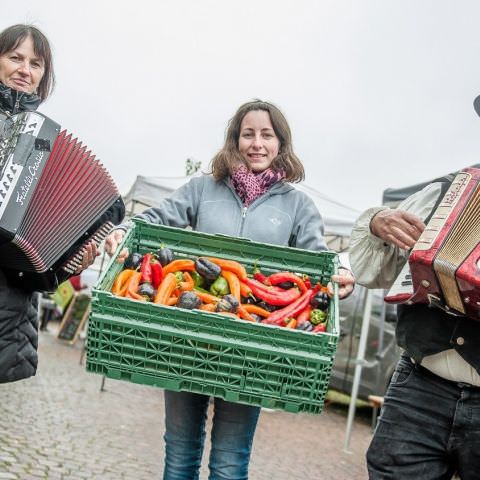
18,309
18,333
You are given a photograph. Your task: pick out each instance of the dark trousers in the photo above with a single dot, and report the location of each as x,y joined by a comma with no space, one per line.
429,428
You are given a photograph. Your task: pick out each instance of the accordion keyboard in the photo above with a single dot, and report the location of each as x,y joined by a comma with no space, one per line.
74,263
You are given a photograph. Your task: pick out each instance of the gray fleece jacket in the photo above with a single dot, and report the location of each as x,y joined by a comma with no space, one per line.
281,216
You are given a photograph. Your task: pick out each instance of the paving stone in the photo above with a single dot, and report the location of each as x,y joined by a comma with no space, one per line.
58,425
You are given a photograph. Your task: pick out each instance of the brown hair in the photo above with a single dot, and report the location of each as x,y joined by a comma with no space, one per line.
11,38
225,161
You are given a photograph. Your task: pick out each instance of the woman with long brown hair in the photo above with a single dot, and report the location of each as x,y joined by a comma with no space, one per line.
247,194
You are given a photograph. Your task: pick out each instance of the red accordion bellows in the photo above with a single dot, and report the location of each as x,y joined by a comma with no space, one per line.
59,198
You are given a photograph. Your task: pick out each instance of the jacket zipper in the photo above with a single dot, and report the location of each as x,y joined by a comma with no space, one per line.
256,202
18,96
243,216
244,209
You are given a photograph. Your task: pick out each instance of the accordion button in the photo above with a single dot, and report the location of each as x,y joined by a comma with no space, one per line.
460,341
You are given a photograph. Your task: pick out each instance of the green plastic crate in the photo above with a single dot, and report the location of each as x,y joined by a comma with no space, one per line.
196,351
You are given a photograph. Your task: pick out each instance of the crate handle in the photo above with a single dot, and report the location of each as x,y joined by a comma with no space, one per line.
229,237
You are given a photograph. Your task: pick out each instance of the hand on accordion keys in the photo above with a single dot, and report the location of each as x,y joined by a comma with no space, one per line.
397,227
89,255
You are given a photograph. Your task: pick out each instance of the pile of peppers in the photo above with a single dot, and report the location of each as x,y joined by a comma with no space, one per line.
222,286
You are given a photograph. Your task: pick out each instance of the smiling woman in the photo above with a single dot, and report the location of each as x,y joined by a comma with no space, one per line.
26,61
248,194
21,68
258,144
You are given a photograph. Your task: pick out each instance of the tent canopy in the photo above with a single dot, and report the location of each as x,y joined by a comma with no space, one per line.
393,196
149,191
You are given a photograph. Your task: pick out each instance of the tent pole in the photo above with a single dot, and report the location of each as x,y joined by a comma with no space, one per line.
358,366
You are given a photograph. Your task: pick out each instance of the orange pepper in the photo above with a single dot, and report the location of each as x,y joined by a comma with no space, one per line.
245,290
120,284
206,297
255,309
242,313
231,266
208,307
179,265
292,323
172,301
233,283
188,282
166,288
132,286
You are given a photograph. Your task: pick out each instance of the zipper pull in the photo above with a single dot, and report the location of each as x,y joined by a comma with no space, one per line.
244,212
17,102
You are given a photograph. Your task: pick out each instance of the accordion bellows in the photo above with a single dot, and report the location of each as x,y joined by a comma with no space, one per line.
55,197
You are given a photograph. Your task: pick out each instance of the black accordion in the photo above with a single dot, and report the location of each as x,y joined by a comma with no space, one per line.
55,198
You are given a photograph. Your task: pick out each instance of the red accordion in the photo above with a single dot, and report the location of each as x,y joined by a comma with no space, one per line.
55,197
443,267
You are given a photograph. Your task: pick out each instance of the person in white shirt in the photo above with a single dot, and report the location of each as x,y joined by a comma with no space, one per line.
429,427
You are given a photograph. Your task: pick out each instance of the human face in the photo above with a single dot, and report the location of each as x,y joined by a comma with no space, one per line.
21,69
258,143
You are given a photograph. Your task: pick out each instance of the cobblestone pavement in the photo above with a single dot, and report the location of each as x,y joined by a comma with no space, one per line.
59,425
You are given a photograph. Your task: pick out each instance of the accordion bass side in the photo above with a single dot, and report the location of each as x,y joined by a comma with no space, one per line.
443,268
55,198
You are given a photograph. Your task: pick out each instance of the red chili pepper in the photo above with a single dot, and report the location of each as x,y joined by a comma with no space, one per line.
146,268
261,286
304,315
320,328
157,273
307,281
281,277
272,295
259,276
278,316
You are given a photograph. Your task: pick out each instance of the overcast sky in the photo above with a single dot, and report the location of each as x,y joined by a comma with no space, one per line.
378,93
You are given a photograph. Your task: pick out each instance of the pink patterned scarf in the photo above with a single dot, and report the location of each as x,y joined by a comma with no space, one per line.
249,185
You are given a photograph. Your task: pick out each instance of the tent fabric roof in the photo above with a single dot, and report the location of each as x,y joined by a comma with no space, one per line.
149,191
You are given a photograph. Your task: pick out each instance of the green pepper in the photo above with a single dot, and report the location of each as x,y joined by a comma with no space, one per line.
318,316
219,287
198,280
179,276
200,289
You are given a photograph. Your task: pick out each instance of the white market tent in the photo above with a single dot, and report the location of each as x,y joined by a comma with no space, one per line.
149,191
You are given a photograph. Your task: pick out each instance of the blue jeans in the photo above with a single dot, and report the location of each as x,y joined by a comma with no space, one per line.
231,443
429,428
